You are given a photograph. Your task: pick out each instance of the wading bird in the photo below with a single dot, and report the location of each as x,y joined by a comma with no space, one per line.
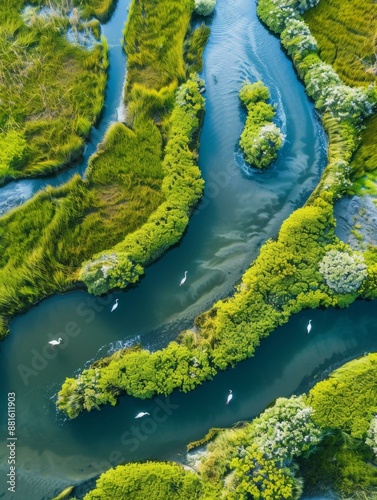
142,414
55,342
229,398
115,305
183,280
309,327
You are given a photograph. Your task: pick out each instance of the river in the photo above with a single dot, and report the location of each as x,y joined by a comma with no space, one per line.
240,210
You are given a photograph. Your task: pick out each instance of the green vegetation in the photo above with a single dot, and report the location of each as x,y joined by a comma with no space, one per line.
343,272
51,90
283,280
101,9
309,444
351,47
142,169
344,406
205,7
181,187
314,443
154,480
347,400
261,139
211,434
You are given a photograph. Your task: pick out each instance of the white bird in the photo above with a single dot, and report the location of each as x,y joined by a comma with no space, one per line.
309,327
183,280
115,305
55,342
229,398
142,414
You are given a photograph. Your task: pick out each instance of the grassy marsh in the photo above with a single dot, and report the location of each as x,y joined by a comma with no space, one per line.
68,225
52,91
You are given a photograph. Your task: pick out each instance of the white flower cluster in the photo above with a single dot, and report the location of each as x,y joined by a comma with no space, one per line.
331,95
296,38
371,439
205,7
285,430
280,12
263,148
343,272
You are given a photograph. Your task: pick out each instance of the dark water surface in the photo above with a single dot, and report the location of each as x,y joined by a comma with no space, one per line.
240,210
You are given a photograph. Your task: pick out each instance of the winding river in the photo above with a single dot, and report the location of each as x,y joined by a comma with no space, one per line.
240,210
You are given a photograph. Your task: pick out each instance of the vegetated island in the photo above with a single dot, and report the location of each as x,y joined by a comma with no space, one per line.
53,77
307,266
143,181
320,443
260,139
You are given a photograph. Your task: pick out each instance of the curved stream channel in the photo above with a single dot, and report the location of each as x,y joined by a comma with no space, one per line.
239,211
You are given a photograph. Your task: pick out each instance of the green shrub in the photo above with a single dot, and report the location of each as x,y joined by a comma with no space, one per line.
259,478
285,430
347,399
154,480
260,138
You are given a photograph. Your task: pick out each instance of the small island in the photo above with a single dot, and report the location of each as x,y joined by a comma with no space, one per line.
261,139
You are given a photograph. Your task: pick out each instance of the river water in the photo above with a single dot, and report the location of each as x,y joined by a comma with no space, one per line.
240,210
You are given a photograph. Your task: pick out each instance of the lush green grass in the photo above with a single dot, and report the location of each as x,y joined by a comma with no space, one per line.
347,400
154,42
98,8
51,92
344,405
346,34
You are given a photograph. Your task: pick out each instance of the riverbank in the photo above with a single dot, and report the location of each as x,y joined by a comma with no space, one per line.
286,452
125,179
286,277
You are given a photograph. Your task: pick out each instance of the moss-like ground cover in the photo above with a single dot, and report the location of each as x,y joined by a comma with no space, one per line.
51,90
44,243
285,278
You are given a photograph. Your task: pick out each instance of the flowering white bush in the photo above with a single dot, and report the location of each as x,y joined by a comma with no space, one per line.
371,439
277,14
261,149
205,7
331,95
285,430
297,39
343,272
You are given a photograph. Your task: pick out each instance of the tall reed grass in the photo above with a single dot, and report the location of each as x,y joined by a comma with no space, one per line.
51,93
